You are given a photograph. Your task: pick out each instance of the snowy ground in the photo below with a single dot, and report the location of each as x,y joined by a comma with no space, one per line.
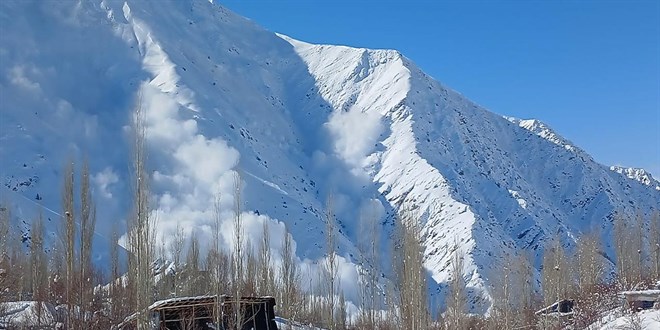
24,313
283,324
646,320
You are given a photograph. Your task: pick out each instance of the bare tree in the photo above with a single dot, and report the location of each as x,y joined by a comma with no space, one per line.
87,226
342,315
250,275
237,256
638,250
193,281
39,268
5,215
631,250
556,272
330,264
217,262
589,268
391,320
512,292
654,243
116,286
5,238
68,225
502,289
266,276
410,274
56,283
369,250
289,293
141,230
17,283
175,248
628,249
588,262
524,285
456,300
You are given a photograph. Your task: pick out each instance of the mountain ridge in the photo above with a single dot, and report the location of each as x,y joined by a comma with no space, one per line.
301,123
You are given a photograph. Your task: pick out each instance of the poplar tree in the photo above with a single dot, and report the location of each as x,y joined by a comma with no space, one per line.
5,239
330,265
38,267
588,262
176,247
141,230
369,251
215,261
193,282
556,272
87,226
628,246
456,300
237,256
68,238
654,243
266,277
117,285
290,295
410,274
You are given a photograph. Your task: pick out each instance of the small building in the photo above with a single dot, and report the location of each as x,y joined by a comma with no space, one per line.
556,316
641,299
560,308
257,313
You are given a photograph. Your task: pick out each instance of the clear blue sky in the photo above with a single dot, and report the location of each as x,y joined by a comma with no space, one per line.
589,69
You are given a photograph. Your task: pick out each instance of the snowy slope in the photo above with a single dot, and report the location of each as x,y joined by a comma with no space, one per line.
299,122
616,319
637,174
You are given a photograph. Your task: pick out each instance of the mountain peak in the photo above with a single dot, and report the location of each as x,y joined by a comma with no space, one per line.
543,130
637,174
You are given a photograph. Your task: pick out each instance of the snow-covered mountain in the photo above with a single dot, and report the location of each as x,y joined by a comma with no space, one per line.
299,122
637,174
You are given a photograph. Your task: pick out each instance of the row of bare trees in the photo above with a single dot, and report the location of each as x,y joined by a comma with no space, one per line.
65,275
68,277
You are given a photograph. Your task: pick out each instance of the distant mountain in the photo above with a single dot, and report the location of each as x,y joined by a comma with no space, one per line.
299,122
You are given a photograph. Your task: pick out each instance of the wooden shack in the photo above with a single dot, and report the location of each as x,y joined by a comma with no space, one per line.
562,307
641,299
256,313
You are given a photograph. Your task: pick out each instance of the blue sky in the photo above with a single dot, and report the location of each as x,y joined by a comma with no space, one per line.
589,69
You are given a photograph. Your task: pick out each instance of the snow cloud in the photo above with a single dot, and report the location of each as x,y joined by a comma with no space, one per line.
103,180
19,77
355,134
207,158
193,169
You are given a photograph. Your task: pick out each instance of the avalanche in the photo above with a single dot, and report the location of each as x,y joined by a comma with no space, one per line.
298,122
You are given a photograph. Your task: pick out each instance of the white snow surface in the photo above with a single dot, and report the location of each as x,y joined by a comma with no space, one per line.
26,313
637,174
299,122
616,320
284,324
